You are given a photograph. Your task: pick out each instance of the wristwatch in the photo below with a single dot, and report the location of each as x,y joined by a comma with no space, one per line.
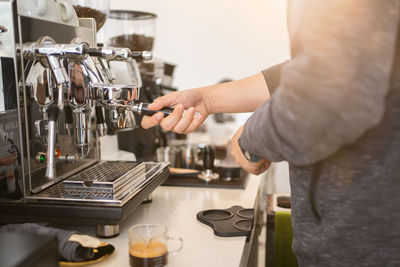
249,156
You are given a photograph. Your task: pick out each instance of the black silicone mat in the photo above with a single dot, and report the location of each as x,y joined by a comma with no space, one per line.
235,183
235,221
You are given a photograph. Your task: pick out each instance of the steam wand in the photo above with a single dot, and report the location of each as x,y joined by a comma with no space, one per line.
52,113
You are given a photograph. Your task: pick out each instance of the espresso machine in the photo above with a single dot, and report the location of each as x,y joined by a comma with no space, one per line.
57,97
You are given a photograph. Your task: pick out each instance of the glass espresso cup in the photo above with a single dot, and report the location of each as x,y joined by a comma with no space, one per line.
148,245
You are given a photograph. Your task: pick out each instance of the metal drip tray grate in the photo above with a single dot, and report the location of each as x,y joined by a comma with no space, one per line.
105,171
106,181
59,191
110,179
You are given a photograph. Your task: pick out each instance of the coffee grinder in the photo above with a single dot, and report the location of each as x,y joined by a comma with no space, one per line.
136,30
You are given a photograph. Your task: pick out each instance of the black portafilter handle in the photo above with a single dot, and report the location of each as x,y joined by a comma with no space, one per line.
101,51
52,112
143,109
68,114
99,115
208,157
95,51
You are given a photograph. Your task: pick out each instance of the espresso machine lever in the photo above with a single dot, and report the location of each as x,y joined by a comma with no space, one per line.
105,52
142,55
60,76
50,55
119,53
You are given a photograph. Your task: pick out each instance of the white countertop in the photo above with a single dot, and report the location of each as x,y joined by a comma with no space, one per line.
176,208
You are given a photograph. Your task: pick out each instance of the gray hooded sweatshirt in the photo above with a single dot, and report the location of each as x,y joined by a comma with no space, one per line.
334,115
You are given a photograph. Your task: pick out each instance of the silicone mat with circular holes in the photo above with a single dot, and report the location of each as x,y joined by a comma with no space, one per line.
235,221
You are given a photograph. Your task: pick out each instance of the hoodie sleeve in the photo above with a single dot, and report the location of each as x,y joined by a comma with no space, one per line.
272,76
333,89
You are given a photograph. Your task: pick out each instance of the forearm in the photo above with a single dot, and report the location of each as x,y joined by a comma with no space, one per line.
243,95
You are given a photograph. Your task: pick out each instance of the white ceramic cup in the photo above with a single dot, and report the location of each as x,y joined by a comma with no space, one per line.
67,12
57,11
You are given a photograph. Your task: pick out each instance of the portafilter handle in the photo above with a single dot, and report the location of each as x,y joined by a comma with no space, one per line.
142,109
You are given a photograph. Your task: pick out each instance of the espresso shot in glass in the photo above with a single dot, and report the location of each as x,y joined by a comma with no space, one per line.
148,245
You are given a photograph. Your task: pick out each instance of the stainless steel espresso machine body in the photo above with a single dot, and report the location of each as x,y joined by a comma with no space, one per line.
55,90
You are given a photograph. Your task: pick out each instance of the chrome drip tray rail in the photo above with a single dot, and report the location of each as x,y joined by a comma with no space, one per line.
106,182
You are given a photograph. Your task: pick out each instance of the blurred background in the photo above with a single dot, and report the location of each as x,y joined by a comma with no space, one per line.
214,40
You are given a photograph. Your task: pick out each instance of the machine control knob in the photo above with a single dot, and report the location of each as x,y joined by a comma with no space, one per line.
41,157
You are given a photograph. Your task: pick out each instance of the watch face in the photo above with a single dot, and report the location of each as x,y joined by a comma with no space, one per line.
247,155
251,157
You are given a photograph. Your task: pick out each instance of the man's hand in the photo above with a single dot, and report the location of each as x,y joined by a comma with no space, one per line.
254,168
191,100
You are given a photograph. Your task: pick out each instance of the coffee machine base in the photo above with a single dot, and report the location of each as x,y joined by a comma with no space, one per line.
104,214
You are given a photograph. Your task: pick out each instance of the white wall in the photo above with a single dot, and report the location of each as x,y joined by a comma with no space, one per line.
214,39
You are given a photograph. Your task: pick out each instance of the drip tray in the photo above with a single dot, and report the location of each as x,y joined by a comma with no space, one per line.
113,182
112,178
222,182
